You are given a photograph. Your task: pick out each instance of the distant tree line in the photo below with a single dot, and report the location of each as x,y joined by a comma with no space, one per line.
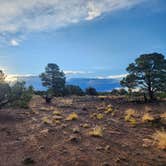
146,77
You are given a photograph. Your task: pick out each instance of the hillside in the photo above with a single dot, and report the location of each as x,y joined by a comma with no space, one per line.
81,131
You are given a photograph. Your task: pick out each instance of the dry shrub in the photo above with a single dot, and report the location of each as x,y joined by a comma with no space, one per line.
96,131
72,116
147,117
160,139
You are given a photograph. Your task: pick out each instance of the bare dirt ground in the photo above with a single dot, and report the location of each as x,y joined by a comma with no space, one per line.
42,136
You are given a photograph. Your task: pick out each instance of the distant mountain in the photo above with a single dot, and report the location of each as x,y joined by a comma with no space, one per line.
100,84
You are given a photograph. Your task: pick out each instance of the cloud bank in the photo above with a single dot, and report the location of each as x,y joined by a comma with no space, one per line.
24,16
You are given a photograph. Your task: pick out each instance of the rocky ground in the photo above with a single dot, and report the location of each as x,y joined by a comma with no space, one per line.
81,131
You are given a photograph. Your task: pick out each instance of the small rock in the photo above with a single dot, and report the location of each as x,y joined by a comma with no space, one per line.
28,161
107,148
84,109
76,130
147,143
74,139
41,147
99,148
105,164
44,132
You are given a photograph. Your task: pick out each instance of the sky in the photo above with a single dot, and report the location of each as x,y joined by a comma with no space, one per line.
86,38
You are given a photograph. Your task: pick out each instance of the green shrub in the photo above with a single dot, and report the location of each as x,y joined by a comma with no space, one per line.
20,95
73,90
4,93
91,91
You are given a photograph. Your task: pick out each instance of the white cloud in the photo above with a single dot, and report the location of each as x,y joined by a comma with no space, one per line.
93,11
14,42
118,77
24,16
74,72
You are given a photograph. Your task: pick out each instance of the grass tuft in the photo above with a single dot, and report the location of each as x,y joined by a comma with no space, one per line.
109,109
129,116
72,116
147,118
163,116
96,131
99,116
160,139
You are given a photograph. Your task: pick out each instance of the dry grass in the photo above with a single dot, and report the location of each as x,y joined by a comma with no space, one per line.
163,116
147,109
72,116
147,117
129,116
86,125
46,120
65,102
93,115
56,112
96,131
160,139
47,108
130,112
99,116
34,112
109,109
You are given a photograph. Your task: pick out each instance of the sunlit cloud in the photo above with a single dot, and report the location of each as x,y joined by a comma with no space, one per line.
25,16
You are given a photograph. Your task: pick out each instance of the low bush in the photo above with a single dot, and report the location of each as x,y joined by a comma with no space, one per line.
73,90
4,93
20,96
91,91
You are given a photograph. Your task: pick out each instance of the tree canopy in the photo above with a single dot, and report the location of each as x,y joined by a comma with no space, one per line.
54,79
147,73
2,77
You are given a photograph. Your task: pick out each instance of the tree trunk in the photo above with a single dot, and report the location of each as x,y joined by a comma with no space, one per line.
145,98
151,95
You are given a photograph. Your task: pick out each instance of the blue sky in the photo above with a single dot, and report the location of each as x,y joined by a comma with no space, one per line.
92,39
